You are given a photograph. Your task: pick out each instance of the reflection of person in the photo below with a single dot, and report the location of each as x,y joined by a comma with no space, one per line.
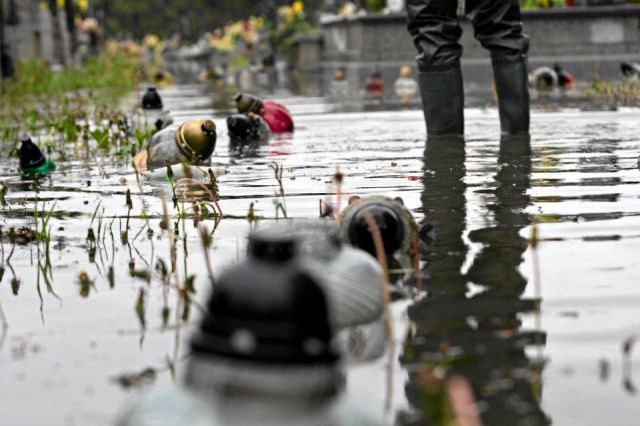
496,265
434,26
475,334
276,115
443,199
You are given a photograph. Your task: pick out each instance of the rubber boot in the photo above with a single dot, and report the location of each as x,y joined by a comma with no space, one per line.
513,96
442,101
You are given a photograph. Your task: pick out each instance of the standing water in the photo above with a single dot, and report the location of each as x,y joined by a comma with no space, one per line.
531,295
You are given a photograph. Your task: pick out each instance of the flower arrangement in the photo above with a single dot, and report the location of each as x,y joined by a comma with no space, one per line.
291,20
225,39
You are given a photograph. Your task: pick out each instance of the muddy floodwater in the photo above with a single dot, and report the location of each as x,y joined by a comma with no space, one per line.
532,292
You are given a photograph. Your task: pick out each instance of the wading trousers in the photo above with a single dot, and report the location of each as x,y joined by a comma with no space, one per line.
434,27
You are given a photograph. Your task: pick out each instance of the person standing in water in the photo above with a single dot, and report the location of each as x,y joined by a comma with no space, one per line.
434,27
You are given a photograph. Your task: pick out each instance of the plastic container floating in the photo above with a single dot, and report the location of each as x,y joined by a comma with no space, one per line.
244,129
151,99
352,279
191,142
246,134
265,351
398,230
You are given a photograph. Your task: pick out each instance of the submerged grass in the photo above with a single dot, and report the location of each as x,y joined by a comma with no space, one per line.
72,104
614,93
112,75
280,200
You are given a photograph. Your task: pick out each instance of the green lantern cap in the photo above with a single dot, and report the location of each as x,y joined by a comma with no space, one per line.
42,170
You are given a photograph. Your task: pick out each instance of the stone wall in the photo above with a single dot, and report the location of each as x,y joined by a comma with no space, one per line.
20,32
33,34
582,39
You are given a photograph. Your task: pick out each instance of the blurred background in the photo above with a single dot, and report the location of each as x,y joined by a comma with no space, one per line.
357,53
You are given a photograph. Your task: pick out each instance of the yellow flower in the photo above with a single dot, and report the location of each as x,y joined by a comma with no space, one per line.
298,7
256,23
235,28
150,40
347,10
83,5
250,37
223,44
111,46
286,12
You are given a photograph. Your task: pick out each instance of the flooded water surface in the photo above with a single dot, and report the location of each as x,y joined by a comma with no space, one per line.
532,270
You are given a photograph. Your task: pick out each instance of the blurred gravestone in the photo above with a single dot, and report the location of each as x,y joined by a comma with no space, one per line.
395,6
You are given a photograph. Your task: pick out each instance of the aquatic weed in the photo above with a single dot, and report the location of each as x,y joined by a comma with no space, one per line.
213,185
101,137
280,200
3,194
174,197
614,93
207,241
161,267
124,235
141,136
140,308
251,216
217,210
139,379
42,234
338,179
627,348
85,284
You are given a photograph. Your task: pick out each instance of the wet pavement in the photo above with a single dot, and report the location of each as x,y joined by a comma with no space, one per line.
538,329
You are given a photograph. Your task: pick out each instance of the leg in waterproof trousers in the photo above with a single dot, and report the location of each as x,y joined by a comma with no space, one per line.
513,96
498,27
435,30
442,101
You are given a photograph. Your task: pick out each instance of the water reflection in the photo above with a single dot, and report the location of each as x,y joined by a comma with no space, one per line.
474,331
243,149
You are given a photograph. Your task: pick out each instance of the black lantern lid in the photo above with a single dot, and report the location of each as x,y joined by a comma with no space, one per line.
151,99
239,126
388,221
30,155
267,309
